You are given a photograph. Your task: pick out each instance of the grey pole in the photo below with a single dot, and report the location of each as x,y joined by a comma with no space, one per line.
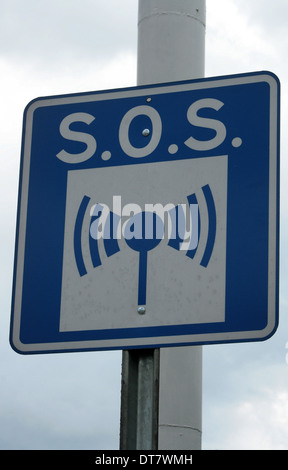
171,47
139,400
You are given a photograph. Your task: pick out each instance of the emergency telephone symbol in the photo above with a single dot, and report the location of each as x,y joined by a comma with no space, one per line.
148,237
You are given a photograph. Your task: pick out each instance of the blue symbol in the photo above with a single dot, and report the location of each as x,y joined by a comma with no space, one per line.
143,232
110,240
176,241
152,231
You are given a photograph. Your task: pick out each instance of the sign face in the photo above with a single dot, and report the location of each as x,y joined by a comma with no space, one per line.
148,217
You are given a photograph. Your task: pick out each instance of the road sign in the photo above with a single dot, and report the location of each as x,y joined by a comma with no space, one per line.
148,217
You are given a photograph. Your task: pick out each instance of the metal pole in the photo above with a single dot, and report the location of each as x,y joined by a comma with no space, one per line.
139,400
171,40
171,43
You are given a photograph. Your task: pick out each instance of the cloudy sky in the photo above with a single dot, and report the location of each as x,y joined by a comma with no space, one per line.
67,401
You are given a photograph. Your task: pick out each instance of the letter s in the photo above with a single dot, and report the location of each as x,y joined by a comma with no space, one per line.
76,136
195,120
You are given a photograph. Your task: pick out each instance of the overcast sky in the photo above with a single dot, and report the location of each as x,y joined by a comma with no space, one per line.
72,401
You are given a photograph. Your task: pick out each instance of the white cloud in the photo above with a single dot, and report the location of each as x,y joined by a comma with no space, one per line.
58,32
262,424
272,16
249,412
234,44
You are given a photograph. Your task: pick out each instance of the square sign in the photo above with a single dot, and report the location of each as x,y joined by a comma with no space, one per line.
148,217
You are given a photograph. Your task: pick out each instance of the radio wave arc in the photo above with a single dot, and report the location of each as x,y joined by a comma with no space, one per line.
77,236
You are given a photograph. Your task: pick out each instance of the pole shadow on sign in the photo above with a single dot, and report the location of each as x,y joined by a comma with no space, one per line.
147,230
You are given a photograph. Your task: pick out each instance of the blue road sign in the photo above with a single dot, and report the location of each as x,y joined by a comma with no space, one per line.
148,217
